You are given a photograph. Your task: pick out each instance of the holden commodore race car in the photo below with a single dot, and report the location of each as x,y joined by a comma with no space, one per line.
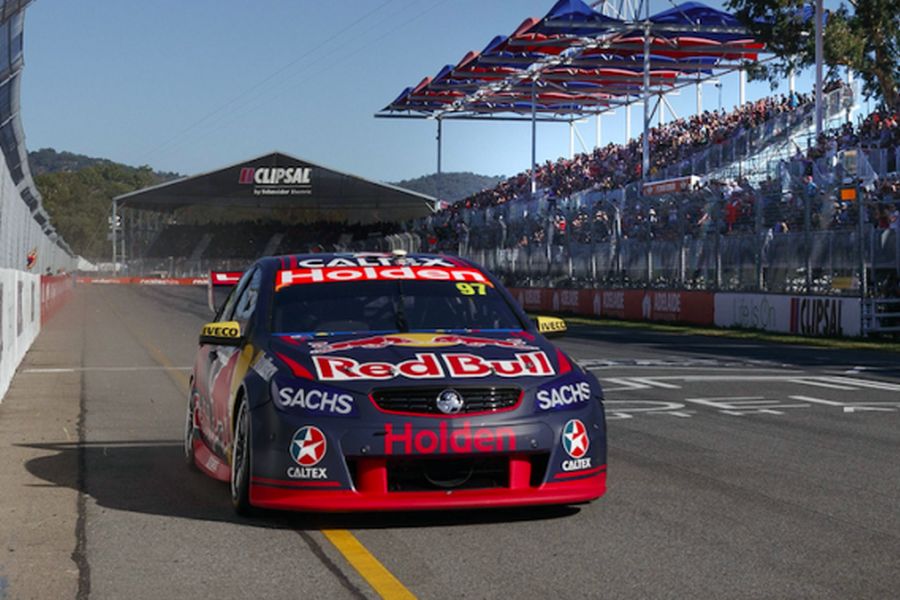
363,382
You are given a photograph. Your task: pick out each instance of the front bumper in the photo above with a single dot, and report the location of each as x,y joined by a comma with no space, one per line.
372,494
384,462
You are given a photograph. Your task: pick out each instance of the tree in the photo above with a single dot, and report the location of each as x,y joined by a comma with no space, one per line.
867,40
79,202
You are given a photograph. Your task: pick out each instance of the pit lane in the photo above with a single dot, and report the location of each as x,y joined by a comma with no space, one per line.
739,470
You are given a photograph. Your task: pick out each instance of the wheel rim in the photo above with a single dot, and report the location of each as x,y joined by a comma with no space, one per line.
238,457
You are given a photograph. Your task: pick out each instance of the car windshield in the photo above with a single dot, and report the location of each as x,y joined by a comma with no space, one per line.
390,306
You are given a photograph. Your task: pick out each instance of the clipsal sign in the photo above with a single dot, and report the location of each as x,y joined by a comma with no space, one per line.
817,316
275,175
405,439
427,365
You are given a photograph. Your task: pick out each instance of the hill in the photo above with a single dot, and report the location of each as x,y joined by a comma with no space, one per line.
48,160
454,186
78,191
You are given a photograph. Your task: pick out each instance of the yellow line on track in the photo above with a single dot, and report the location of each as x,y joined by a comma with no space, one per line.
376,575
370,568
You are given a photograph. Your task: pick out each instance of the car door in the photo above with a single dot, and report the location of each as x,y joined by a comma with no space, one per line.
214,369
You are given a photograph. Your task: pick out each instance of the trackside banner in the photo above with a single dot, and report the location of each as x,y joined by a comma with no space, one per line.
145,280
691,307
55,292
802,315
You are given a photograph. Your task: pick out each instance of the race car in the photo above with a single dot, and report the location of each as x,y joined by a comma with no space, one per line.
369,382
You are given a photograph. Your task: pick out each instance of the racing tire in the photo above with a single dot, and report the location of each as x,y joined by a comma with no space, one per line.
190,433
240,462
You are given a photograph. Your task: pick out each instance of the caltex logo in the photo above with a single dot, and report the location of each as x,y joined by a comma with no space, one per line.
575,439
308,446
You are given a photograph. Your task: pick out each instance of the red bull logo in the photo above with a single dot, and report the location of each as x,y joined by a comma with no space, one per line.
418,340
428,365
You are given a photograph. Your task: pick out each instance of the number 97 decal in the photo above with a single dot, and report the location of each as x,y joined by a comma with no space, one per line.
472,289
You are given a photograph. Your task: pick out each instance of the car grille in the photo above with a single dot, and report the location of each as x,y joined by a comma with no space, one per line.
424,400
414,474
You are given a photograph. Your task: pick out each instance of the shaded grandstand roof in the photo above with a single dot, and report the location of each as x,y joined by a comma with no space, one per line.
581,61
278,180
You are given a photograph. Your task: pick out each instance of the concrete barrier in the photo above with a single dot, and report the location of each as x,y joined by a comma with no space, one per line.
20,320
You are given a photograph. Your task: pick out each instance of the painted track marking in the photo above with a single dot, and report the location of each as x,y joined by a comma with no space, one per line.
824,384
376,575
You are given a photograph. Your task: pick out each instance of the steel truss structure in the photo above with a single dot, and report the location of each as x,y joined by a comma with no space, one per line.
580,61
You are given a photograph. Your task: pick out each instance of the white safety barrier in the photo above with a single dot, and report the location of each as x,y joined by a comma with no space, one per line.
20,320
803,315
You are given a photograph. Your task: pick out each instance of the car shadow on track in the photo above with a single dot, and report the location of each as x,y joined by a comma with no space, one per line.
151,477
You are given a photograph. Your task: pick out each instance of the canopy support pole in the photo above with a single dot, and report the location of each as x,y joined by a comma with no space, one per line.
699,97
114,227
571,140
598,139
645,145
584,147
742,87
669,106
439,170
533,139
819,60
627,122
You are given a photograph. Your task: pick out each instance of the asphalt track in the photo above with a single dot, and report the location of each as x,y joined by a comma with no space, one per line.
736,470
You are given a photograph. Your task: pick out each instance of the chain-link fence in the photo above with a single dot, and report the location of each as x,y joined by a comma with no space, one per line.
727,236
27,239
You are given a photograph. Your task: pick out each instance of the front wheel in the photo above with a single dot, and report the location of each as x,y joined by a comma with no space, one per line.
240,462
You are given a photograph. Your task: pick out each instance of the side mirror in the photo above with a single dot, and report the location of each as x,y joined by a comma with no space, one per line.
551,326
224,333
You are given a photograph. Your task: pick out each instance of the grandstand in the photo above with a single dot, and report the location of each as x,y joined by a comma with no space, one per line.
271,204
589,225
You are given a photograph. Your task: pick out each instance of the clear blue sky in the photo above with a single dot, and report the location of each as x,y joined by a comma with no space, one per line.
191,85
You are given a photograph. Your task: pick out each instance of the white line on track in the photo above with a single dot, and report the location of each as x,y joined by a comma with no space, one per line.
653,383
851,407
878,385
110,369
823,384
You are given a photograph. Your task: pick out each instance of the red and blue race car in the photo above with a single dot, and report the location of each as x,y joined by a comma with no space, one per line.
362,382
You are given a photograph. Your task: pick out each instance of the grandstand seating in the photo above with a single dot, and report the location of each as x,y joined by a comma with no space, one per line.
248,240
